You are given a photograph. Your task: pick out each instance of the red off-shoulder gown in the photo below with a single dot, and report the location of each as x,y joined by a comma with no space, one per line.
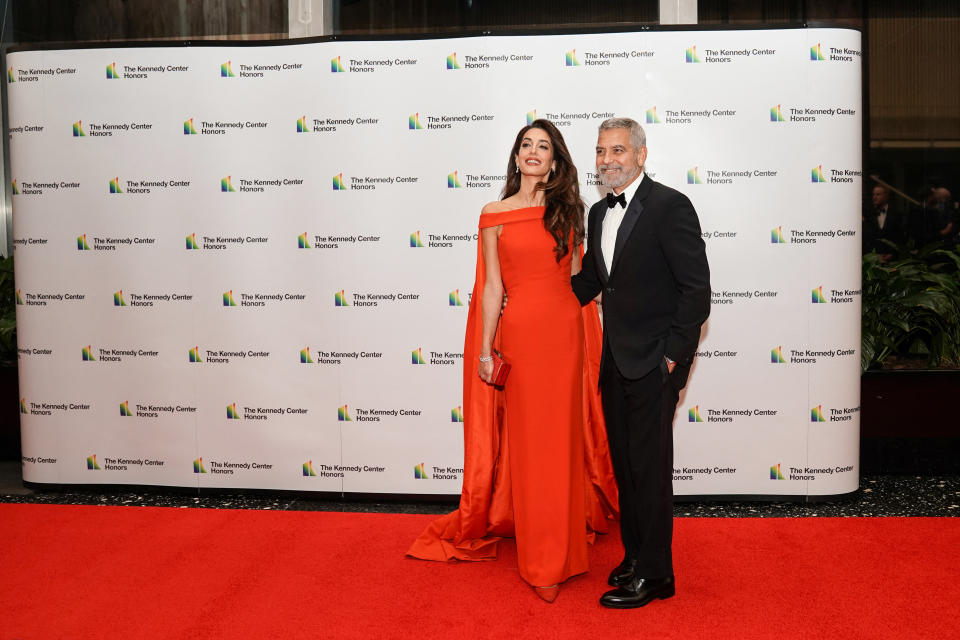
536,462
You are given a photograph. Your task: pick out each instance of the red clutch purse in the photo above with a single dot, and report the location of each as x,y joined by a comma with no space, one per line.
501,369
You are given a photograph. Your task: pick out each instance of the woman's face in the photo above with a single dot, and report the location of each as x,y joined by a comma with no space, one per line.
535,156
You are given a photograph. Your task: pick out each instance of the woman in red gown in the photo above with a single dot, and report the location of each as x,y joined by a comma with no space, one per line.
536,463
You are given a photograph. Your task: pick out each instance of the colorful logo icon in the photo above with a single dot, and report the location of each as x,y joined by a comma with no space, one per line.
455,300
125,409
305,356
115,185
78,129
226,70
226,185
19,299
452,61
13,187
419,473
195,355
23,406
775,473
198,466
340,299
343,414
92,463
335,66
415,241
531,117
302,125
571,58
82,243
338,182
816,174
693,176
302,241
232,413
453,181
456,414
118,300
776,115
112,71
228,299
816,54
416,356
188,129
693,415
816,296
816,414
192,241
88,354
776,356
414,121
308,469
776,236
652,116
692,54
10,77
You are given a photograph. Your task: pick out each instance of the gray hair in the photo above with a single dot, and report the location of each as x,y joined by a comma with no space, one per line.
638,138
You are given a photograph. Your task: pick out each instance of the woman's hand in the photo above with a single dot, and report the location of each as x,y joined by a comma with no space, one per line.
485,371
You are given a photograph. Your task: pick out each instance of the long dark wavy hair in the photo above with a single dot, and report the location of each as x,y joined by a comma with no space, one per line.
563,217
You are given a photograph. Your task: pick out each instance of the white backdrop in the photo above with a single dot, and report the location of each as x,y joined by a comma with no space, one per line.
231,236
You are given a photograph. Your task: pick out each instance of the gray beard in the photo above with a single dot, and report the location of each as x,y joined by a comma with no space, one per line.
618,182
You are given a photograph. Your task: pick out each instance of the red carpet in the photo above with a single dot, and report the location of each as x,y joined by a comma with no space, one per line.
109,572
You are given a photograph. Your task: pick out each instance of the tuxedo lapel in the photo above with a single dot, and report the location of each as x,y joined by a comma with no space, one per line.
626,226
630,217
597,250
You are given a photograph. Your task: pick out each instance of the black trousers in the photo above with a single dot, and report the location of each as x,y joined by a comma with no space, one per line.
639,416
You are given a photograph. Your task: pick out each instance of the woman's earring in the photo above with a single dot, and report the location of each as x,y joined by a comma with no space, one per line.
518,168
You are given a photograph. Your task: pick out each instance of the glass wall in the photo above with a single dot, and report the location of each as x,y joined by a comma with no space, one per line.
36,21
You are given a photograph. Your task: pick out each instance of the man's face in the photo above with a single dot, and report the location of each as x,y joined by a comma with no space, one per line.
879,196
617,161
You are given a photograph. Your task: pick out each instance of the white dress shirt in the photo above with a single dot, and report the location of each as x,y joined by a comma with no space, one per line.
882,217
611,223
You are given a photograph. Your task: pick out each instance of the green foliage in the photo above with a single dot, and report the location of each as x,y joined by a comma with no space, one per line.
8,311
911,308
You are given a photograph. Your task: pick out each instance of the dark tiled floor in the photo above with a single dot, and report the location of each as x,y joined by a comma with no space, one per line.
879,495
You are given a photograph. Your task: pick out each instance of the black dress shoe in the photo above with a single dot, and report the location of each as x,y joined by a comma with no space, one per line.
639,592
623,573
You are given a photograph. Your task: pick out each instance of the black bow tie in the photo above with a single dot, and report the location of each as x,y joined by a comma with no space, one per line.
612,200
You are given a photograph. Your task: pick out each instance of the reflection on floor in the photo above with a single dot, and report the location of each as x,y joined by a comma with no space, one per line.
879,495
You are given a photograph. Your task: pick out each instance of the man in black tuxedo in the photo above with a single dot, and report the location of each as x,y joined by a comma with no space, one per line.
881,222
646,257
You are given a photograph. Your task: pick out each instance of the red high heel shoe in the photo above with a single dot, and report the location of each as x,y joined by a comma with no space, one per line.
548,594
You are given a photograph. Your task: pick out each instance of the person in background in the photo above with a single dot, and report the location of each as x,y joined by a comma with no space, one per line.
881,222
951,212
929,222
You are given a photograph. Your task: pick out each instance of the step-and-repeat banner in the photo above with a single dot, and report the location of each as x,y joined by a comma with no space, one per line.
250,266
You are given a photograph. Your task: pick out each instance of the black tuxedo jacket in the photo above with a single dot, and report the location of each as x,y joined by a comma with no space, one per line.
873,234
657,294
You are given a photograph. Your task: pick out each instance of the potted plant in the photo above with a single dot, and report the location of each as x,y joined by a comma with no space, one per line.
911,309
910,361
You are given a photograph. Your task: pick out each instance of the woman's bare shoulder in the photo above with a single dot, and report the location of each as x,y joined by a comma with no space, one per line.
499,206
